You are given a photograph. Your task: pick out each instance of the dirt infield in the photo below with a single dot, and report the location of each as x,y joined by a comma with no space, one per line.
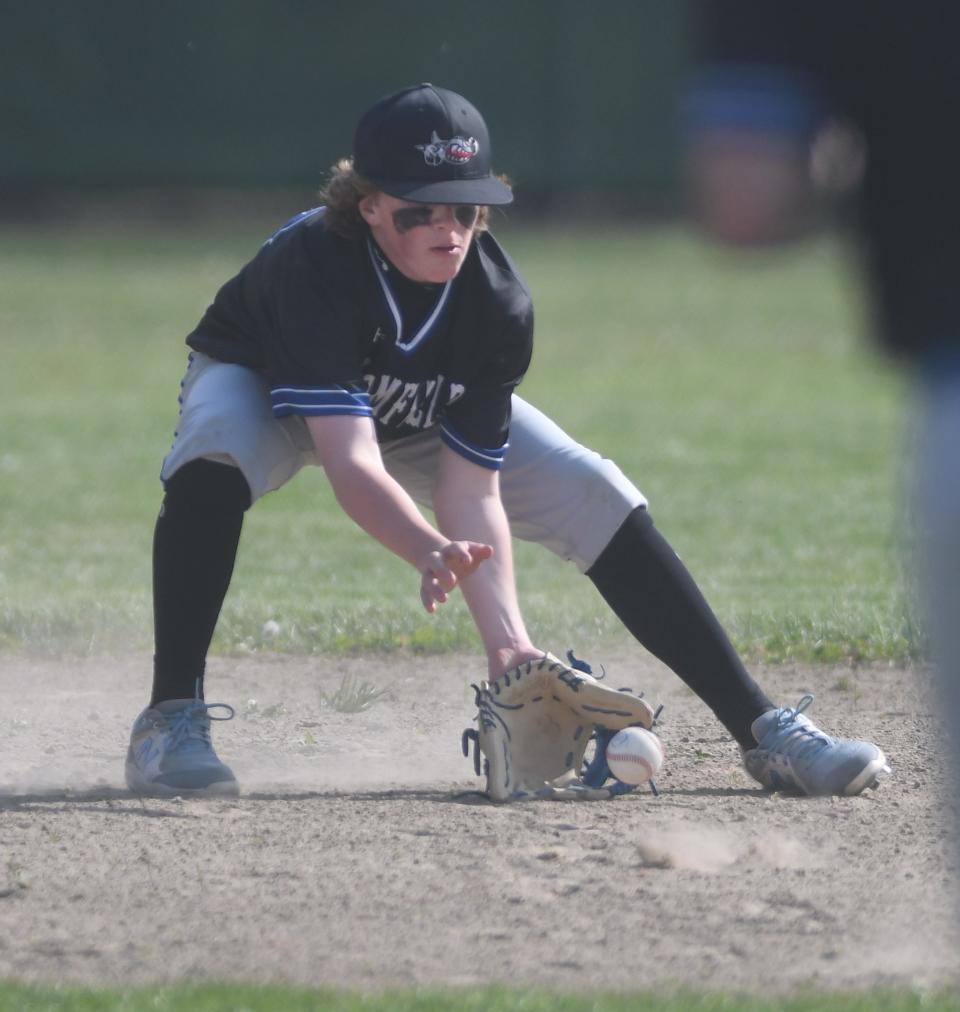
351,860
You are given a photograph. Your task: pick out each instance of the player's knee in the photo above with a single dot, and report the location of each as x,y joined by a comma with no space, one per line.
208,486
598,474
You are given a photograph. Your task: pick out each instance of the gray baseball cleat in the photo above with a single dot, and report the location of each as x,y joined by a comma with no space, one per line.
171,753
793,755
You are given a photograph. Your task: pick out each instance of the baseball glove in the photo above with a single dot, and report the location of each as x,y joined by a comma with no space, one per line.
533,727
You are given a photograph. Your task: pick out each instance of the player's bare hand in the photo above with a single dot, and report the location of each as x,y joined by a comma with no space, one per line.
446,567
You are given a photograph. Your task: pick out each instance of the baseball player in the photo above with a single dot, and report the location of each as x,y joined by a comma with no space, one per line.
382,336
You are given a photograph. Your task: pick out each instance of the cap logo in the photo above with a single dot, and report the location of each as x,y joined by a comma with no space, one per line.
456,151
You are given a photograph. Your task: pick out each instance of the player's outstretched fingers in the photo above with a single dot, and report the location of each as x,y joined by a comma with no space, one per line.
431,592
463,557
445,567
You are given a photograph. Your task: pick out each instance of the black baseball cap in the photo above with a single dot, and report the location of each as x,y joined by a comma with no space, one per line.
429,145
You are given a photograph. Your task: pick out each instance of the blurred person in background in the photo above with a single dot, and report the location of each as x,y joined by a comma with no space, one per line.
792,100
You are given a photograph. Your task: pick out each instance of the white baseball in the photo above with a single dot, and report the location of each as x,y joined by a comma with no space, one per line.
635,755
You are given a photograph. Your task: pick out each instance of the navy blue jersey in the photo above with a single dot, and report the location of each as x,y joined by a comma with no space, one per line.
335,329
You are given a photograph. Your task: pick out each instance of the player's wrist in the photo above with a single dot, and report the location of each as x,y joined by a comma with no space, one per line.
429,553
504,659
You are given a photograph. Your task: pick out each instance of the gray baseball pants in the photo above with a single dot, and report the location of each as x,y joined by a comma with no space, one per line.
555,491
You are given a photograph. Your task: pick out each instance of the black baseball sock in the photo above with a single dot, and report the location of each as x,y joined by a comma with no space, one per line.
656,598
194,548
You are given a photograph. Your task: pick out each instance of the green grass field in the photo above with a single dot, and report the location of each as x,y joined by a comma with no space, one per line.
742,401
215,998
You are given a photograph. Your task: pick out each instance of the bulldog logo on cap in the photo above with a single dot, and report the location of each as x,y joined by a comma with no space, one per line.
456,151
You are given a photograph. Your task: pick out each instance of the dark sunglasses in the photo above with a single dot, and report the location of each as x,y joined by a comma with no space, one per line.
406,218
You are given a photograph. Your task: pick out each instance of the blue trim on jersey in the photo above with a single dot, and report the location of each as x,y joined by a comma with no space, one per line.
481,455
320,401
294,221
410,345
756,98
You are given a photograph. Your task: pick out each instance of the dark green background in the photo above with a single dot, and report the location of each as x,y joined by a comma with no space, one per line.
581,97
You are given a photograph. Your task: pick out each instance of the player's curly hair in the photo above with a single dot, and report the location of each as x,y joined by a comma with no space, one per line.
343,192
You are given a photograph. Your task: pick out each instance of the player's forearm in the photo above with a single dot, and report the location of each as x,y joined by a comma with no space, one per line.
374,501
347,448
490,592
